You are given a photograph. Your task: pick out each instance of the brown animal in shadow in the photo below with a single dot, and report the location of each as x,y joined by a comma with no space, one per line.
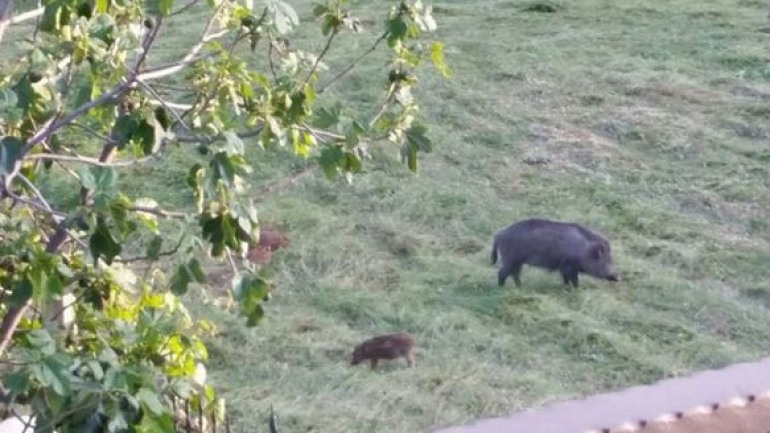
389,346
269,242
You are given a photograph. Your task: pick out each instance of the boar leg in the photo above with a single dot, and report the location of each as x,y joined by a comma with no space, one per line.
410,361
513,270
569,273
374,363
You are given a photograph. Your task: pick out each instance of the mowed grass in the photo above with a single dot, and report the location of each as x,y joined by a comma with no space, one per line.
645,121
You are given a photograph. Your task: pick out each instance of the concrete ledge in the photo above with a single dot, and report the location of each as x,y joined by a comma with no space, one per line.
603,412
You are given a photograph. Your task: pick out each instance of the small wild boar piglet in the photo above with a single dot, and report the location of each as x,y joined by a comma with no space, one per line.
390,346
557,246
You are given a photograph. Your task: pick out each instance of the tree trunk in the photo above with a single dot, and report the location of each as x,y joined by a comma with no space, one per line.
6,7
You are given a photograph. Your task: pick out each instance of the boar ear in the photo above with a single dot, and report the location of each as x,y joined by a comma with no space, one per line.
596,251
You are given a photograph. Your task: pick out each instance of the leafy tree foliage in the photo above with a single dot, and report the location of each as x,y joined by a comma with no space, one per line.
94,336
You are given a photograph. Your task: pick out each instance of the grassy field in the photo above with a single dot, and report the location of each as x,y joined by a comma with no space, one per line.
645,121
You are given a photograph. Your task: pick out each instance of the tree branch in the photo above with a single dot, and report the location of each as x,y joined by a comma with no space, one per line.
189,58
158,212
46,132
165,105
6,8
208,140
41,206
14,315
128,82
93,132
92,161
343,72
146,258
265,191
183,8
320,56
24,16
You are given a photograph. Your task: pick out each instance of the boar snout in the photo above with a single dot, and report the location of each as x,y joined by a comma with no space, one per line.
613,277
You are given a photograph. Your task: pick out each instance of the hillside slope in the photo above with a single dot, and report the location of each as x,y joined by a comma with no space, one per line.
646,122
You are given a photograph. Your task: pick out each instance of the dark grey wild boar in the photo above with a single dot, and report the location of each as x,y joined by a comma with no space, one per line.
557,246
390,346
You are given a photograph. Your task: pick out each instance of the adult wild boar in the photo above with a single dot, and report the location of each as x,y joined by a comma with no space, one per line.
557,246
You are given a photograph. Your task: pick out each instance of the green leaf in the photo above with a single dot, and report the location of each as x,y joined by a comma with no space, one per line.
331,158
353,134
185,274
235,145
156,424
223,169
320,9
54,373
50,22
117,423
437,56
103,244
161,115
197,271
397,29
416,137
159,7
124,128
22,291
8,99
102,182
326,118
42,340
102,6
425,19
96,368
150,401
249,291
330,22
352,163
286,17
195,181
16,383
149,219
10,154
180,281
153,247
148,136
409,153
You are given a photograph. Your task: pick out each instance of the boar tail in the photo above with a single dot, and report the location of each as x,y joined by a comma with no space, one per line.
494,251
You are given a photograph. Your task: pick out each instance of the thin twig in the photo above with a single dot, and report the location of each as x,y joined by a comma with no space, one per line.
37,23
44,207
45,132
68,170
34,13
207,140
320,56
161,71
146,44
319,133
165,105
91,161
270,59
158,212
232,262
355,62
189,58
183,8
146,258
36,191
281,183
93,132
